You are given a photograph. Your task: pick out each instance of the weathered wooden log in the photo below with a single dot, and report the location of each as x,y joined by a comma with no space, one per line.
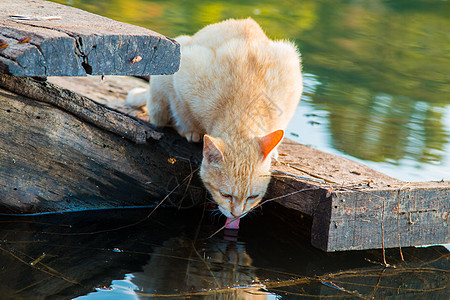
80,106
59,163
41,38
50,160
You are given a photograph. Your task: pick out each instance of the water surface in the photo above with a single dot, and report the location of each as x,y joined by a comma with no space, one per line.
102,255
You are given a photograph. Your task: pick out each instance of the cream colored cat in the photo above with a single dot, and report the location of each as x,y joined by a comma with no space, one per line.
238,90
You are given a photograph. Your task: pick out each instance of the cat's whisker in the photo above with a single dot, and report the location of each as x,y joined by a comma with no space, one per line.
216,214
259,206
281,197
276,173
254,211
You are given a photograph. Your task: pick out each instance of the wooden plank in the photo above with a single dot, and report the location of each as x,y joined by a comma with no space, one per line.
358,208
354,207
407,215
49,39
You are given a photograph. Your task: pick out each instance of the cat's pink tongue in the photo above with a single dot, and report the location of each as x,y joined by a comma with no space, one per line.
232,224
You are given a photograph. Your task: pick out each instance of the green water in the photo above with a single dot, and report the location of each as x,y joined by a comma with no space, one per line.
377,73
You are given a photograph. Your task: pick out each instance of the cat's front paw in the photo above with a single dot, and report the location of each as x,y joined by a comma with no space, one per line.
192,137
275,156
137,97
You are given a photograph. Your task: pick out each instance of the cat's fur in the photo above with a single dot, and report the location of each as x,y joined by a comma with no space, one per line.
238,90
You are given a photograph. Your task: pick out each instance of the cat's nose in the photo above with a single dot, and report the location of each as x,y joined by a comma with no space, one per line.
236,212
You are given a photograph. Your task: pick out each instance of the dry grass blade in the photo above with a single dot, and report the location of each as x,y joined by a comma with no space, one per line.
339,288
262,203
286,174
51,271
33,284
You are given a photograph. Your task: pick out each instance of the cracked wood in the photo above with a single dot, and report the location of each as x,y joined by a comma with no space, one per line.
51,161
82,107
49,39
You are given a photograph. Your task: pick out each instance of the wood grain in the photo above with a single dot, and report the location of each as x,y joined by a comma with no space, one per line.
75,43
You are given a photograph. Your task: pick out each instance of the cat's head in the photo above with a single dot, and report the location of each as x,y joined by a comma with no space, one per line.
236,172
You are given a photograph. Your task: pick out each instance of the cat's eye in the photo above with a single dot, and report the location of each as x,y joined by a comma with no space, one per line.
252,197
226,196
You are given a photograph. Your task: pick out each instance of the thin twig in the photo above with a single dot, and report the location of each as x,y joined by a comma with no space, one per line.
309,173
262,203
382,234
378,284
191,175
207,266
33,284
398,221
58,274
339,288
297,176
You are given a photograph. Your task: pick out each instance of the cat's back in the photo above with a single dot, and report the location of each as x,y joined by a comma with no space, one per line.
216,35
236,49
226,67
231,50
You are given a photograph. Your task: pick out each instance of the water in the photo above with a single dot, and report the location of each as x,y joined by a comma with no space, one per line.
414,161
376,90
100,255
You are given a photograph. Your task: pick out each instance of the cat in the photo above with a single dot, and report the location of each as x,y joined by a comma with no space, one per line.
224,271
238,90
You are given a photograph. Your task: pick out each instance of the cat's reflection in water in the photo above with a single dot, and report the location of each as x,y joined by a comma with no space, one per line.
212,269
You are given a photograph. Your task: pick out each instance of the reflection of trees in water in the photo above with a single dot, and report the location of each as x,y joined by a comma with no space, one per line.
375,62
398,51
381,127
390,47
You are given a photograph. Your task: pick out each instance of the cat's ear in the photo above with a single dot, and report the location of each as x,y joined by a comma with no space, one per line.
270,141
211,150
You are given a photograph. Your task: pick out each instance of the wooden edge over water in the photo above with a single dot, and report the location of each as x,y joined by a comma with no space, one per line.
82,166
41,38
